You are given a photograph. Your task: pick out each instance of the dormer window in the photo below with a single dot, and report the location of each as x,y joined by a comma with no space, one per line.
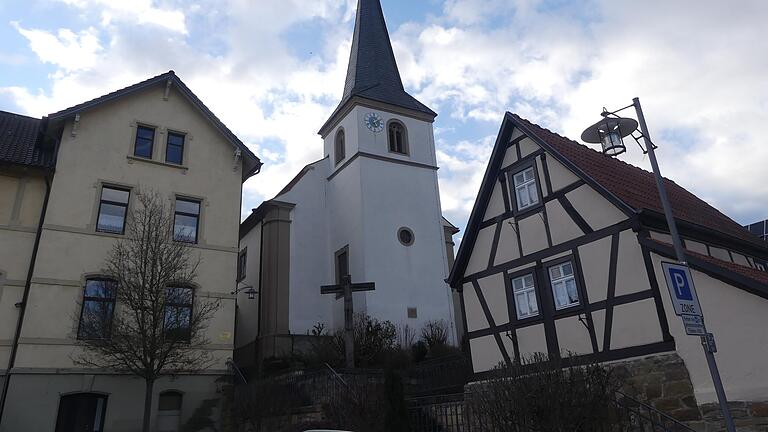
340,146
398,138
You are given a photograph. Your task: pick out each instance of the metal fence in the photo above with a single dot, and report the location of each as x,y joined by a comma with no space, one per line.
438,414
642,417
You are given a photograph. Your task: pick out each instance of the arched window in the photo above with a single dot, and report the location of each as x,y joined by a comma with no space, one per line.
169,411
398,138
340,146
81,412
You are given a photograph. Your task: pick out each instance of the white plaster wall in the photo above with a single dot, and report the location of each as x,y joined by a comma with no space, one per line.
631,274
495,293
507,250
394,196
596,210
595,258
481,251
533,234
527,146
496,203
485,353
635,324
559,175
737,319
345,225
531,340
351,139
476,319
510,157
311,260
573,336
561,226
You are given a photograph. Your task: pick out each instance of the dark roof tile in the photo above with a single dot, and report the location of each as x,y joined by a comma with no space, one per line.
19,139
372,72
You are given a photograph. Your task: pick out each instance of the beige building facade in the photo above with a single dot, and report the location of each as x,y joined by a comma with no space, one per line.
562,256
155,135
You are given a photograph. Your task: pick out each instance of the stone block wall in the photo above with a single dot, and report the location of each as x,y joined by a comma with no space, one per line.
663,382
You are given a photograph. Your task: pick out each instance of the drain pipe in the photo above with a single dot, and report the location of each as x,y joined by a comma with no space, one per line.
25,297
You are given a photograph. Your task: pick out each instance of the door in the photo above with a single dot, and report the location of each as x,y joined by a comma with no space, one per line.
81,412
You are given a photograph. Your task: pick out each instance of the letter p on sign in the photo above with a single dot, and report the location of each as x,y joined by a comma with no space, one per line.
681,289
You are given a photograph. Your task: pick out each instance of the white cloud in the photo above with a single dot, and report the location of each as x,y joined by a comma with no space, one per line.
699,71
66,49
133,12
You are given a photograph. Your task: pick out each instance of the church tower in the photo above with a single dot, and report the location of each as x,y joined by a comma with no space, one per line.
384,218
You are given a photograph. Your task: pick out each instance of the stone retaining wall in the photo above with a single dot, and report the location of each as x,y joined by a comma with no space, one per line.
663,382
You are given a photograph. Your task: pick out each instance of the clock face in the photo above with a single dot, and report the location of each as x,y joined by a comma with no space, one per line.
374,122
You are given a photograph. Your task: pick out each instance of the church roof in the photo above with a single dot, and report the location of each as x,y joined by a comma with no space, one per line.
372,72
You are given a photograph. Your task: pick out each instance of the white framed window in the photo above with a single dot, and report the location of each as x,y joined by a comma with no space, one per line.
524,290
526,192
564,289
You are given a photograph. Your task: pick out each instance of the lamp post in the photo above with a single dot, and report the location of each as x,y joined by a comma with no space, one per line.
248,290
610,133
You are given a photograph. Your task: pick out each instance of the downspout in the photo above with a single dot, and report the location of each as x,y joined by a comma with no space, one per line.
25,297
258,306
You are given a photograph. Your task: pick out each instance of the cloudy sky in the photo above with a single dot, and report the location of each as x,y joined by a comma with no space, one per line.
273,70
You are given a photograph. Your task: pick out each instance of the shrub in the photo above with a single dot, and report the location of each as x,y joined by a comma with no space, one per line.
435,333
419,351
546,395
373,340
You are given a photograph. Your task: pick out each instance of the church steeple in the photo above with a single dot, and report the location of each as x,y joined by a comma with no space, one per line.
372,72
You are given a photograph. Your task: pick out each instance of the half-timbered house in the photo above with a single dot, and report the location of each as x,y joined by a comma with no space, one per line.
562,255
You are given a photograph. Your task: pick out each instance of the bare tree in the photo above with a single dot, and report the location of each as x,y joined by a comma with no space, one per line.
156,326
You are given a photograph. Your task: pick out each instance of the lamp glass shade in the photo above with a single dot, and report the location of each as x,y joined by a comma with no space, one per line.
613,144
609,133
251,294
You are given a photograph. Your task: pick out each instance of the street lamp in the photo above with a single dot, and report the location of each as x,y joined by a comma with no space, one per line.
610,132
248,290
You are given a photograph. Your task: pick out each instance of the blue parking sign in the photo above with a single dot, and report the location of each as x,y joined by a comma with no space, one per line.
681,289
681,284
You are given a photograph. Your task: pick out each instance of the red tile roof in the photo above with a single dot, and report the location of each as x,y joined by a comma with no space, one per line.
748,272
637,187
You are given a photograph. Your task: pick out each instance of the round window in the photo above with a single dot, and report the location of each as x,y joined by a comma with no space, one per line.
405,235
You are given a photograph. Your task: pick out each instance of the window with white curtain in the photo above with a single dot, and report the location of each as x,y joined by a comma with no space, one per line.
564,288
526,192
524,289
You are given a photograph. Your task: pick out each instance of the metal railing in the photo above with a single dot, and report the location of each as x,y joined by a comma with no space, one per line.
445,413
643,417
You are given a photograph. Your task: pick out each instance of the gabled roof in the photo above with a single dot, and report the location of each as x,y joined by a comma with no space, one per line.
631,189
252,162
636,187
20,141
372,72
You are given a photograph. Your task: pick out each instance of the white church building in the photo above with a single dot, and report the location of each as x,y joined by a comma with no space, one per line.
370,208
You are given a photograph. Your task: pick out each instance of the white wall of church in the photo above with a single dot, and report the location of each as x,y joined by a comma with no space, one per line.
311,256
396,196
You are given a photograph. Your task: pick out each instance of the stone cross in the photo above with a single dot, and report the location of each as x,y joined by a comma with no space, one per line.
345,290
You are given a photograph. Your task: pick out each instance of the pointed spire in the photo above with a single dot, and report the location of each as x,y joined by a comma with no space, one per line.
372,72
